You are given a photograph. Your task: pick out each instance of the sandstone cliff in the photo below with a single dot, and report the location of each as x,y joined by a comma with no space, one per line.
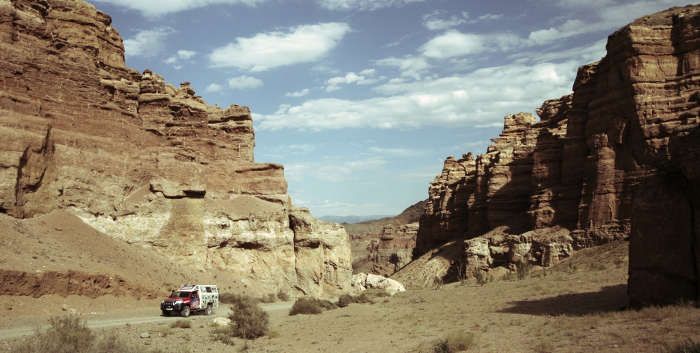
616,159
143,161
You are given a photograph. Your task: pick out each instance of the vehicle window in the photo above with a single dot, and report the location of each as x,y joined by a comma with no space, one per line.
208,289
184,294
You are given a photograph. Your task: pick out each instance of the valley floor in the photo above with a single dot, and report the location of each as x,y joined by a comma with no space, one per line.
577,306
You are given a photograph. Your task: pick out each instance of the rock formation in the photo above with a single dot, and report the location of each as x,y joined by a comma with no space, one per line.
616,159
143,161
393,249
383,246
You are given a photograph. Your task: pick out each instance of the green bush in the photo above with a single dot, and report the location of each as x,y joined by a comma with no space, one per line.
310,306
347,299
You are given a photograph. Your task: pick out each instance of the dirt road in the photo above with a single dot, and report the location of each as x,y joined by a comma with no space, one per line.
149,316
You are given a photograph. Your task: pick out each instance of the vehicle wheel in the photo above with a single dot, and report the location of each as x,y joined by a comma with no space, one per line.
165,313
209,310
185,312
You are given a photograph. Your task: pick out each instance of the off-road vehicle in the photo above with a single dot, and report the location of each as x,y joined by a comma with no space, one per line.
191,298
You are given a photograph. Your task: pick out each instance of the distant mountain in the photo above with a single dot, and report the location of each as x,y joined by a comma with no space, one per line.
350,219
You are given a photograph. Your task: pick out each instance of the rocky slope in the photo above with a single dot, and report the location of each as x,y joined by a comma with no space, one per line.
143,161
384,245
616,159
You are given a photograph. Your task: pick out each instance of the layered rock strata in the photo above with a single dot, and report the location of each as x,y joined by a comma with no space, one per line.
616,159
141,160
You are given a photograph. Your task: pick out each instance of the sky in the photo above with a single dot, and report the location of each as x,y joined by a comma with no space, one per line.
362,100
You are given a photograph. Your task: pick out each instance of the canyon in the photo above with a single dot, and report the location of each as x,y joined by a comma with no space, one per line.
616,159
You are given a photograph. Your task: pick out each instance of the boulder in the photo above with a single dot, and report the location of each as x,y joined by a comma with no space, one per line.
364,281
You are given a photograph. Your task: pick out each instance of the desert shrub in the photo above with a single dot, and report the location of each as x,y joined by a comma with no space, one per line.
235,299
598,266
374,293
65,334
482,277
268,298
686,347
68,334
523,269
543,347
455,342
283,296
310,306
347,299
181,324
224,335
248,320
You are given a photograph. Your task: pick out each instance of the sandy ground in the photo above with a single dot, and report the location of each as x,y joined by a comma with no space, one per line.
578,306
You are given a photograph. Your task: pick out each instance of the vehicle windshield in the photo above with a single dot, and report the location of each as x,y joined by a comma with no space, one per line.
180,294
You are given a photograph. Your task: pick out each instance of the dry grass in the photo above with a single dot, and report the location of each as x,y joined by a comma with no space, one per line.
456,341
687,347
347,299
68,334
181,324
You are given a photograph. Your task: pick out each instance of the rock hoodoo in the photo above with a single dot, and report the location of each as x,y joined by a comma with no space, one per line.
616,159
143,161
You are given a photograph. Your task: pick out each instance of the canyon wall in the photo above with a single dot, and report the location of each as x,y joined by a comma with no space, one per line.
143,161
617,159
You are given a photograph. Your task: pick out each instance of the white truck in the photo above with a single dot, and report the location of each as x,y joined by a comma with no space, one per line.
191,298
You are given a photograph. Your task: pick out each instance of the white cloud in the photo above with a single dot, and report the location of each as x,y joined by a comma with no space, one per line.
364,77
147,43
582,54
567,29
186,54
479,98
333,171
244,82
438,21
298,94
610,17
152,8
264,51
409,66
455,44
341,208
396,151
489,17
180,55
363,5
214,88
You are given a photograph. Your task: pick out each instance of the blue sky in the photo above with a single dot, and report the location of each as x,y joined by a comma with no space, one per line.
362,100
